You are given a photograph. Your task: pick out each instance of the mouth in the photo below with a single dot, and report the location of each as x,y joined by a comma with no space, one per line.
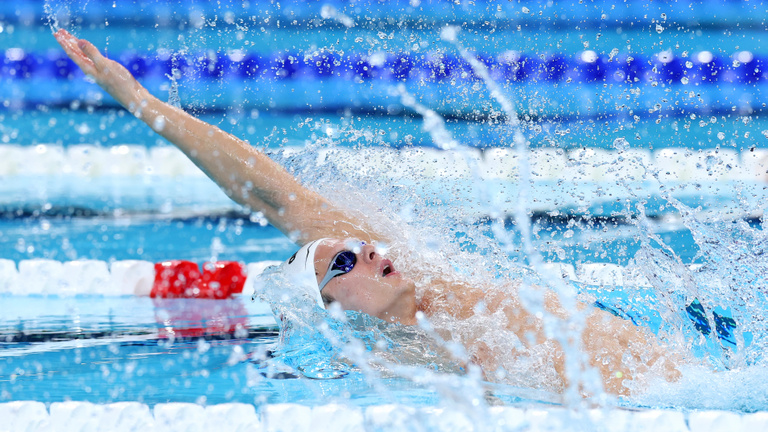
387,269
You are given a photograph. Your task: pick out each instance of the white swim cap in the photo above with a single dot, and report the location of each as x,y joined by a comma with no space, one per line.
299,270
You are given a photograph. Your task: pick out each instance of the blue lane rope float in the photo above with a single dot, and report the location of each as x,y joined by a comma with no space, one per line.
581,85
585,67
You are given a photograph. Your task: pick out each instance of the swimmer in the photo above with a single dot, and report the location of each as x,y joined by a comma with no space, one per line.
362,279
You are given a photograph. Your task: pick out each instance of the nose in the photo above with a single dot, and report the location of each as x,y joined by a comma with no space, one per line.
368,253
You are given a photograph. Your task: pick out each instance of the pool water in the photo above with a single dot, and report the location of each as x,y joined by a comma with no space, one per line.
645,149
113,349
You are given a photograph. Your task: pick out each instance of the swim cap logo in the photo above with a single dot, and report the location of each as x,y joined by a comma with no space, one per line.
290,260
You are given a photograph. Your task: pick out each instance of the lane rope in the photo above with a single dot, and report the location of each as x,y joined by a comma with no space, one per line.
635,69
184,279
581,164
71,415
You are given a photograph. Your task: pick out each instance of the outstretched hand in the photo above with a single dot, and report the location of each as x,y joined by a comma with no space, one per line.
108,74
248,176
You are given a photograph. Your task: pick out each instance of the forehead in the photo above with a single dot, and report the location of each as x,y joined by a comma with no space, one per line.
329,248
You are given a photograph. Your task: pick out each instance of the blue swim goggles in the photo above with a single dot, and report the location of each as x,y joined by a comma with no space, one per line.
341,264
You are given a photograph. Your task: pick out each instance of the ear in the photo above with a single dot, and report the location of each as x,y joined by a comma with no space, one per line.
327,300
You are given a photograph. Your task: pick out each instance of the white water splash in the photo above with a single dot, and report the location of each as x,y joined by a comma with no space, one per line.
50,16
567,332
433,122
330,12
173,89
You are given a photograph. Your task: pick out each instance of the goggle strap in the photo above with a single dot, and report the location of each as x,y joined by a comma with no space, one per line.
332,273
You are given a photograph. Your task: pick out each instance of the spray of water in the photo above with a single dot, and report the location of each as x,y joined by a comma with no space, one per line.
430,225
51,20
728,290
331,13
675,286
568,331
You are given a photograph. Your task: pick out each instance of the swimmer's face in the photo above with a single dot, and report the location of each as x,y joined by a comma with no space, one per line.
373,286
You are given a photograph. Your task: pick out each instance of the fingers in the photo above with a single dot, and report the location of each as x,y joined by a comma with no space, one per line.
82,52
91,52
73,50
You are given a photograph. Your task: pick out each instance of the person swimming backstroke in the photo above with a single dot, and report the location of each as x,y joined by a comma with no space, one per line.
360,278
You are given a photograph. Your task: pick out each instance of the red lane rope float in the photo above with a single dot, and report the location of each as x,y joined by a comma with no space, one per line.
183,279
221,279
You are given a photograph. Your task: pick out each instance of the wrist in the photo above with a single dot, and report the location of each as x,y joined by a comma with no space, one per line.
137,102
124,89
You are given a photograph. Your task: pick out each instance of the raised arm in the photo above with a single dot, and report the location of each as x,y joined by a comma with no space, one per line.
246,175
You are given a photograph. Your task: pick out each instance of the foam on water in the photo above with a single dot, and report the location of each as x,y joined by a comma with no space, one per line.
29,415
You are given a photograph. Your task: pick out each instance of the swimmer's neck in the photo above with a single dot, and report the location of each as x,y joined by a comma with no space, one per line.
439,296
407,318
408,321
403,311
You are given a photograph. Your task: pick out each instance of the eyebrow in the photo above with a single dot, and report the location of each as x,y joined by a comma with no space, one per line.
335,252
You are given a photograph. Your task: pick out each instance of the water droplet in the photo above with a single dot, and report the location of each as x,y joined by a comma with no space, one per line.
83,129
684,80
327,11
721,135
525,10
449,33
620,144
659,28
159,123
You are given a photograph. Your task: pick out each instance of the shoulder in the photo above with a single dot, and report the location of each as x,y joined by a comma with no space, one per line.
458,298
